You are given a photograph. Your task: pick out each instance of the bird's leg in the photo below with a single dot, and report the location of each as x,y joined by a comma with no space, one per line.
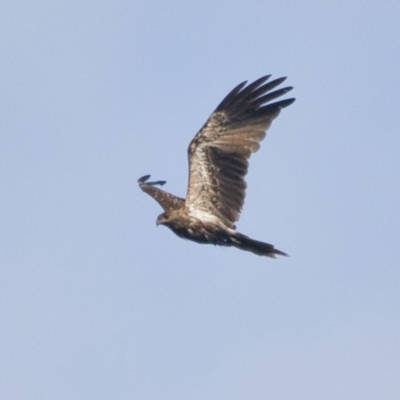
143,181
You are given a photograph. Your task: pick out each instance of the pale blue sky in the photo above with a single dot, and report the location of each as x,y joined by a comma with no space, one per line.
98,303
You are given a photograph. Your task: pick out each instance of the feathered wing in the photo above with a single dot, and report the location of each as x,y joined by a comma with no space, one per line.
166,200
219,153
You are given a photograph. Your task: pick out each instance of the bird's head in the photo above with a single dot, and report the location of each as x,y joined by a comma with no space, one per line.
162,219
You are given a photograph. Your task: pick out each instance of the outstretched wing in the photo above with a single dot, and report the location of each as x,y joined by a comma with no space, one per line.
166,200
219,153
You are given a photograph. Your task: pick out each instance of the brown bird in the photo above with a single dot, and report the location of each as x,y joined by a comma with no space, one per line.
218,163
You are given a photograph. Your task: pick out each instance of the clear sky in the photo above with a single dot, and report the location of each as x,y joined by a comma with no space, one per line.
98,303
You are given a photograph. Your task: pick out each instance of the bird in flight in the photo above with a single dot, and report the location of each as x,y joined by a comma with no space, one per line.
218,163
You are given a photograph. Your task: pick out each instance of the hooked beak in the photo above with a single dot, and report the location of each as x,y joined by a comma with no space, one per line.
160,220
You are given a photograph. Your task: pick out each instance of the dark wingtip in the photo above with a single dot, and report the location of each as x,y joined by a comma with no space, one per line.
286,103
144,178
280,253
161,183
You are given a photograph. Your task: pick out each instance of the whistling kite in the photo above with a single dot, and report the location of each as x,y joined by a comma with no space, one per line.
218,163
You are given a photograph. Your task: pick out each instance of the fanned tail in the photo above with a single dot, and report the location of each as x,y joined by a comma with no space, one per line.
243,242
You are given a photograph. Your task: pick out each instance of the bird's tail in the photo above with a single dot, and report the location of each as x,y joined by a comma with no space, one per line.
243,242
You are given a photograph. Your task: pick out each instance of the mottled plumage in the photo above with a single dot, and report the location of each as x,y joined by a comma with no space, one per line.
218,163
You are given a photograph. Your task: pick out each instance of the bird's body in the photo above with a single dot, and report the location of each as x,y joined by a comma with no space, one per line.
218,163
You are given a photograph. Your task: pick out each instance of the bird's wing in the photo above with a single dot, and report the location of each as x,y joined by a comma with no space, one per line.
166,200
219,153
